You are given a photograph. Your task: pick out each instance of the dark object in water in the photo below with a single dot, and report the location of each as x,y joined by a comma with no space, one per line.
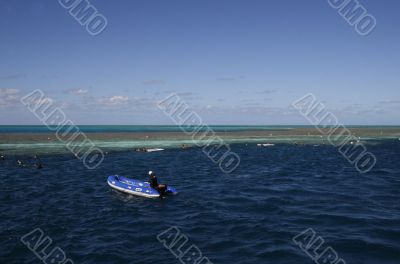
38,164
140,150
2,157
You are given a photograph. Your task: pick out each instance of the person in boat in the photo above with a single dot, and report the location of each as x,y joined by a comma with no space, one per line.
161,188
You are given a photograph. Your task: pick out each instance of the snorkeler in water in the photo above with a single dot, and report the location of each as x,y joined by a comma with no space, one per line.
20,164
38,164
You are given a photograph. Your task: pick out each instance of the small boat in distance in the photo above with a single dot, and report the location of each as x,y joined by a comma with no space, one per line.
149,149
154,149
265,145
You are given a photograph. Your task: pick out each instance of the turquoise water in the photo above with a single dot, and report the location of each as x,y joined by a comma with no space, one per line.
117,145
52,145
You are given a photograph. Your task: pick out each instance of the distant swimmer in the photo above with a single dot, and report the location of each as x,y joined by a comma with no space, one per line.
161,188
22,164
2,157
38,164
141,150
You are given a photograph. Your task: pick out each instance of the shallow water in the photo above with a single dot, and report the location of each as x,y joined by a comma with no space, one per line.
248,216
39,139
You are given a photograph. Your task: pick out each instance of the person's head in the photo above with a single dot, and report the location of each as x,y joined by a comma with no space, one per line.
152,174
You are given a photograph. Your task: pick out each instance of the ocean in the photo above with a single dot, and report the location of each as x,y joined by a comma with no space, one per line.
251,215
41,140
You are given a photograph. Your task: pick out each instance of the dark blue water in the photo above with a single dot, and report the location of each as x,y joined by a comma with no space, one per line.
249,216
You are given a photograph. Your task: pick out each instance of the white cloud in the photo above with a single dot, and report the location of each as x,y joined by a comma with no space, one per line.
8,91
114,100
9,96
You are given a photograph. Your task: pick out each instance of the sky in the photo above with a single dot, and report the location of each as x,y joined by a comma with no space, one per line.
232,61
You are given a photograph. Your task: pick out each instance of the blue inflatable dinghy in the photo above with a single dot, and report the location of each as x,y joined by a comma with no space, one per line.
136,187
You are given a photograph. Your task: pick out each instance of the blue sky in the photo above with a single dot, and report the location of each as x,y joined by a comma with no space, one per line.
233,62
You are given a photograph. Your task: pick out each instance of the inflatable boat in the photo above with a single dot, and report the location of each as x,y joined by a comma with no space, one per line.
136,187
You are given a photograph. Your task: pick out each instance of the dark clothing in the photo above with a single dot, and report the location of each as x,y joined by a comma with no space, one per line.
153,182
161,188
